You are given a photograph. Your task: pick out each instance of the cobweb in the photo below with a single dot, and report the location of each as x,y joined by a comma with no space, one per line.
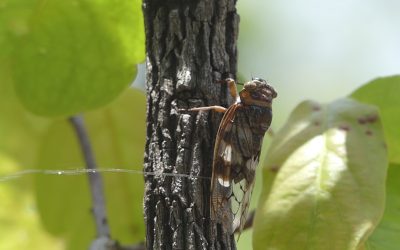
80,171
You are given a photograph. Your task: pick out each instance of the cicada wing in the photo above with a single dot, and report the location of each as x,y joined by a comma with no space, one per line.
234,165
221,188
247,145
241,197
236,156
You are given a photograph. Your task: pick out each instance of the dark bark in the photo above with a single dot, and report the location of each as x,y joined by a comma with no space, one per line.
190,45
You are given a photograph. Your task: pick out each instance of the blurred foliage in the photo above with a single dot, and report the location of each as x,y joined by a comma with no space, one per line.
386,235
20,225
117,133
20,133
59,58
71,56
329,164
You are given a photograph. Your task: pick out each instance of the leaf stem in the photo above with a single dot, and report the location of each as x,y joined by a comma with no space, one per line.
95,181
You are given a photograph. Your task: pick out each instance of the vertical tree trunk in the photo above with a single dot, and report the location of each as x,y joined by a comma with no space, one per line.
190,45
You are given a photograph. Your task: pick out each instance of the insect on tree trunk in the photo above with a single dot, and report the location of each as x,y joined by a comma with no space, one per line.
190,45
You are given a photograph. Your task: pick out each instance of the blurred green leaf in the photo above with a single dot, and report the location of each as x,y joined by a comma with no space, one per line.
384,93
72,56
117,133
20,226
386,235
329,191
20,133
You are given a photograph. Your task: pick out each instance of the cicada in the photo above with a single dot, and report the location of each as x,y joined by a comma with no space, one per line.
237,151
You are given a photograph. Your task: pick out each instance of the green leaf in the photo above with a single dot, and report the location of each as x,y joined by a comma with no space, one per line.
384,93
20,226
386,235
117,133
20,133
329,190
73,56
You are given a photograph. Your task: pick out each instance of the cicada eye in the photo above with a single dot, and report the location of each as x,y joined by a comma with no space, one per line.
255,95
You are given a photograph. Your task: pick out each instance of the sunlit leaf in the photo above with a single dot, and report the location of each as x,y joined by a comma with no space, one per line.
329,190
72,56
384,93
117,133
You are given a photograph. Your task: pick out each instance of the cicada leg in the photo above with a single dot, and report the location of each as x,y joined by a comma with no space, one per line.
232,91
216,108
231,86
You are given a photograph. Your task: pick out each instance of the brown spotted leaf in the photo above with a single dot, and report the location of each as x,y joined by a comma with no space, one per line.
324,179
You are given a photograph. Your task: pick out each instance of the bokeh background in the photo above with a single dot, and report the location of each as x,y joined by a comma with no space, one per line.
318,50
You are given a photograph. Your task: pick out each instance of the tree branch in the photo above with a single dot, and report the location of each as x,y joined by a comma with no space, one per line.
95,181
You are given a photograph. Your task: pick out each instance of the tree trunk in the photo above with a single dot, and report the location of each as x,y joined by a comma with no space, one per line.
190,45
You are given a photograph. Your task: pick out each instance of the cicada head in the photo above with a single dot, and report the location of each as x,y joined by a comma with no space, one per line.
257,92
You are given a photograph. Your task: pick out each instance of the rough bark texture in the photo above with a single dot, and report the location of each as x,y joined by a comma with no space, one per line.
190,45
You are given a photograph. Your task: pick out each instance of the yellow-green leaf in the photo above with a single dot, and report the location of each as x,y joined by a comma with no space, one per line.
20,134
328,193
386,235
117,133
384,93
72,56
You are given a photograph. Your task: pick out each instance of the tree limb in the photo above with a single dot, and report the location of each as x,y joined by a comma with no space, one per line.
95,181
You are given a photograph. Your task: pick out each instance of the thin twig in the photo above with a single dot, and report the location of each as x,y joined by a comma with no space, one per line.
95,181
